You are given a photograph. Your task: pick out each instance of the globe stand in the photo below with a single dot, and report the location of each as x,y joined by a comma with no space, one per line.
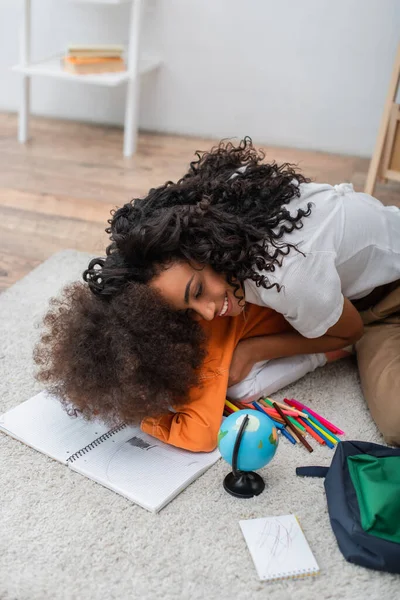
242,484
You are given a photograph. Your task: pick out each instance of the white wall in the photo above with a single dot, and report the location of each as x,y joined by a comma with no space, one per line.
303,73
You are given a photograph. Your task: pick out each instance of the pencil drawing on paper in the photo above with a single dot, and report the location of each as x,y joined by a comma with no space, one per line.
277,538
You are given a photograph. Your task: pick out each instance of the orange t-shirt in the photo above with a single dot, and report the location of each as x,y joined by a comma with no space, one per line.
195,427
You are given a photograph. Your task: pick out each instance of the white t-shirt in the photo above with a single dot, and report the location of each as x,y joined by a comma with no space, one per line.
351,244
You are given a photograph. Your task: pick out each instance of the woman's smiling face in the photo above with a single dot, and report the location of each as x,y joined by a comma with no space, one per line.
199,289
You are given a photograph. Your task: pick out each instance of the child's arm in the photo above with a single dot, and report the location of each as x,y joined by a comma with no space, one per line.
194,427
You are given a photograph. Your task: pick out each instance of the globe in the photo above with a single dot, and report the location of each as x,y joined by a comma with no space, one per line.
258,444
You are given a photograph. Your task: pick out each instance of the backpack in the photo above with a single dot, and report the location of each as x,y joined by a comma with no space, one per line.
362,488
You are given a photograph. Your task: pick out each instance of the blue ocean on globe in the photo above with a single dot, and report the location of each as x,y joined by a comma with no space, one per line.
259,441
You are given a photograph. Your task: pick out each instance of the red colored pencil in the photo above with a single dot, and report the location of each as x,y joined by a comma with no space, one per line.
300,406
312,432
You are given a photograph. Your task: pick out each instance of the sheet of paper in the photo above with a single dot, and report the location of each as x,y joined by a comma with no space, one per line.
142,468
42,423
278,547
123,458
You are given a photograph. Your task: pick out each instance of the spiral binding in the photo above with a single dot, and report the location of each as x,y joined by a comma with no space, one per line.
95,443
298,573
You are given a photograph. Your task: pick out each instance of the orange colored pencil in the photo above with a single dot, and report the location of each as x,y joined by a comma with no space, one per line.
314,434
270,412
273,413
265,407
293,410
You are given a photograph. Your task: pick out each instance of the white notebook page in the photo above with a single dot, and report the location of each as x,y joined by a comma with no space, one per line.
42,423
278,547
142,468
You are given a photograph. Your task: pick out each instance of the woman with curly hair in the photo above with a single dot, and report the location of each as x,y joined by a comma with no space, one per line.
238,279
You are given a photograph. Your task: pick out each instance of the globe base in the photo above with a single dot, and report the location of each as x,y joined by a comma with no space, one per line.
245,484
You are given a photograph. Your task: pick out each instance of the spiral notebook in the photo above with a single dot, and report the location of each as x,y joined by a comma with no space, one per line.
278,548
123,459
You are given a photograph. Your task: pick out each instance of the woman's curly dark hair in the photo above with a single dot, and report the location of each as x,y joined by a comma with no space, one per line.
123,359
229,211
120,350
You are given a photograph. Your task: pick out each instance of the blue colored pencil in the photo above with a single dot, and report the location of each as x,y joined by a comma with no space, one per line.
327,442
260,409
315,420
287,435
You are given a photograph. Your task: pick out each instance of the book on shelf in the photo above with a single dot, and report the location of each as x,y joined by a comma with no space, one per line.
90,66
95,51
94,59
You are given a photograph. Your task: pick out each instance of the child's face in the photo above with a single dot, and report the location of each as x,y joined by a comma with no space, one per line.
199,289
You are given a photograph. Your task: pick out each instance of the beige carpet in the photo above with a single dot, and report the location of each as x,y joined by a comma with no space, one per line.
65,537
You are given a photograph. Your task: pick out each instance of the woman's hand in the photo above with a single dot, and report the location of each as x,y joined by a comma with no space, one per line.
242,362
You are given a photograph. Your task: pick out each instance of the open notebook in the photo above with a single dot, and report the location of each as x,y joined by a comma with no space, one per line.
278,548
123,459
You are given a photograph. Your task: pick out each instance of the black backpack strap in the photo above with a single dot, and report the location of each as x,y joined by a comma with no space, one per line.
312,471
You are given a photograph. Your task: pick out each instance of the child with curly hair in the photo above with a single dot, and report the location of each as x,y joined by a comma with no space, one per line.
236,280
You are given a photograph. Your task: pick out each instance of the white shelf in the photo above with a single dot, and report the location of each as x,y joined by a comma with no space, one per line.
52,67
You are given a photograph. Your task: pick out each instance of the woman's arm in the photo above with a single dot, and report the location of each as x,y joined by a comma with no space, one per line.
347,330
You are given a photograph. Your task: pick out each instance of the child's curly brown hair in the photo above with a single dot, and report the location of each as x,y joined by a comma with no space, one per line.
122,359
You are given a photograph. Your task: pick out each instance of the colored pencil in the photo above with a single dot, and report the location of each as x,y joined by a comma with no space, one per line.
269,411
294,433
291,422
256,406
287,435
286,411
272,414
319,425
272,417
268,402
313,433
298,434
231,406
321,434
328,441
296,424
295,404
285,407
276,424
321,431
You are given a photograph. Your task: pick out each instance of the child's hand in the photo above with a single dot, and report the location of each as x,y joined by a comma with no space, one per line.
242,362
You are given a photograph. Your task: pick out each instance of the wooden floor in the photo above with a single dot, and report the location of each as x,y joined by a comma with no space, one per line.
56,192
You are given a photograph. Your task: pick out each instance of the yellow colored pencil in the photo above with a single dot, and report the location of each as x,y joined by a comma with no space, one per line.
324,434
231,406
